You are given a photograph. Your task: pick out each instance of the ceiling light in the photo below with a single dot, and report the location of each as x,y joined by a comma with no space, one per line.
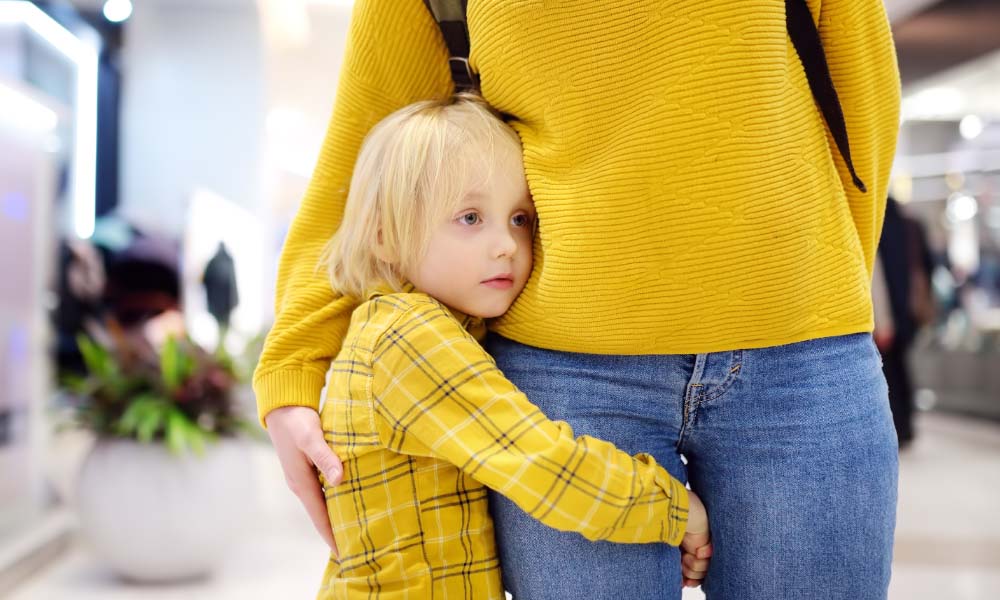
961,207
970,127
117,11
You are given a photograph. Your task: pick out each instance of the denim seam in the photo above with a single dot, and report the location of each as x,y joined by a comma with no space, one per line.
695,396
727,383
687,415
691,399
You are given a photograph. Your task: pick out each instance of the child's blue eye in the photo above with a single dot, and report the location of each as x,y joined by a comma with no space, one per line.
520,220
470,219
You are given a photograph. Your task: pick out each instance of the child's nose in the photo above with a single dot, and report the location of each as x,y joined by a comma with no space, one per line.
506,245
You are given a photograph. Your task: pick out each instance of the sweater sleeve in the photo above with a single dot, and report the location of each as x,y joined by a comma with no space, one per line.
395,56
862,58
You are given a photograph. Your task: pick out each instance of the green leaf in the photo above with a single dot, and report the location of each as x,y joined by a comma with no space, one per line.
151,420
175,365
183,434
197,439
73,382
176,432
99,361
144,417
170,365
129,420
119,385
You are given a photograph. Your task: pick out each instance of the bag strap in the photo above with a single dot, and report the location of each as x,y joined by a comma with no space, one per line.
451,18
805,37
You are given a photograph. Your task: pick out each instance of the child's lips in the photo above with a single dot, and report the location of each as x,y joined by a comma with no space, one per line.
502,282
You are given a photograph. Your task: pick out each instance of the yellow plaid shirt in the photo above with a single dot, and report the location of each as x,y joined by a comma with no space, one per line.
424,422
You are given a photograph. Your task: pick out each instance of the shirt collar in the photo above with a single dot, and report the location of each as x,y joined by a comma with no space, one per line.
476,326
384,289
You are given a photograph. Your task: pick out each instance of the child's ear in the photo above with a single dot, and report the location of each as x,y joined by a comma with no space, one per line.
382,251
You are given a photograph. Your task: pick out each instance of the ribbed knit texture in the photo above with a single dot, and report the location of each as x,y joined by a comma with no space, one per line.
689,196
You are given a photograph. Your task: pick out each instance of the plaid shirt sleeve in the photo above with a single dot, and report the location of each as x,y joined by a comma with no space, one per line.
436,392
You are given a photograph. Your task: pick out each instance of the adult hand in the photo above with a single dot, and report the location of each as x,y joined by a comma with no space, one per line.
696,547
297,436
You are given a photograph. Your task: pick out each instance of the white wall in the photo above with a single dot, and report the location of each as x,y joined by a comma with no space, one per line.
302,82
213,101
192,109
301,86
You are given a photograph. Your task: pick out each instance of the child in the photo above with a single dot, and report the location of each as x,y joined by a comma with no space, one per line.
437,236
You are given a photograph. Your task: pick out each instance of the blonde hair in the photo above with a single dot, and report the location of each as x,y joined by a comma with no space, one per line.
413,168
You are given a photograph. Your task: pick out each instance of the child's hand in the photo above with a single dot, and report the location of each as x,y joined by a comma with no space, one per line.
297,437
696,547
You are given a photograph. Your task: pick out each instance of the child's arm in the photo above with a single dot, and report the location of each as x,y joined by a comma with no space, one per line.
437,392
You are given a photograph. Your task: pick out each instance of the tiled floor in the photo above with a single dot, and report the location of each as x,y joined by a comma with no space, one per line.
948,534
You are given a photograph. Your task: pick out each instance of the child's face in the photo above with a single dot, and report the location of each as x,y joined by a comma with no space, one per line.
479,258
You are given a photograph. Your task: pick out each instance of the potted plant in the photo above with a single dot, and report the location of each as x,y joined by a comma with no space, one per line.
166,487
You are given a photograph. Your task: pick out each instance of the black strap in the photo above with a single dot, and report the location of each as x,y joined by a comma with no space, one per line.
809,46
450,16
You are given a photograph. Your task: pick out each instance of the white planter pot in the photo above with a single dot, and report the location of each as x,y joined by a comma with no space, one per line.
157,517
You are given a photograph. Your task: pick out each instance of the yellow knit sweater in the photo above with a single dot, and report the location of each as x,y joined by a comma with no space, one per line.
689,196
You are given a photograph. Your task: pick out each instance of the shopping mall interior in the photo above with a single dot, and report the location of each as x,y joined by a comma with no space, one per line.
153,154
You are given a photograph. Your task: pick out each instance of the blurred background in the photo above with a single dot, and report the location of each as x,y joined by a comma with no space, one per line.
152,156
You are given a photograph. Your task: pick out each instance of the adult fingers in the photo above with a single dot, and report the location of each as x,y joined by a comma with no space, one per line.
297,437
314,501
302,481
320,454
301,428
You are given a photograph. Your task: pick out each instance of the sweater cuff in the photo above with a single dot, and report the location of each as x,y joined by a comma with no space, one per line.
286,387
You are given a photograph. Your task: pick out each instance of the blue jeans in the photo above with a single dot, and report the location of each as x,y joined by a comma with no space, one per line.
791,448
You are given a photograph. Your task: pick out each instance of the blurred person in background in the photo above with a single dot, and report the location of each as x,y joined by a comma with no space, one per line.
904,302
701,283
123,282
79,289
222,293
